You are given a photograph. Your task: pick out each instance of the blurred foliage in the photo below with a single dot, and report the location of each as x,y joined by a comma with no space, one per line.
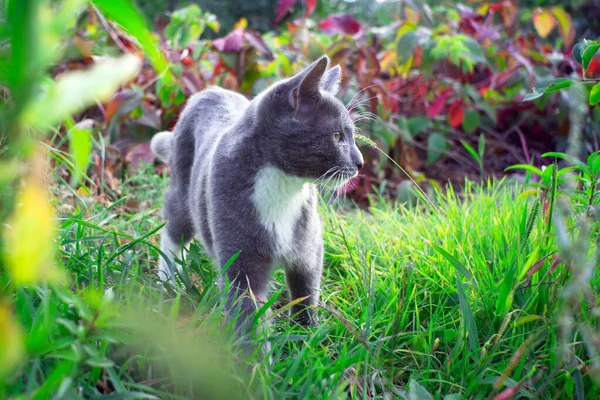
87,83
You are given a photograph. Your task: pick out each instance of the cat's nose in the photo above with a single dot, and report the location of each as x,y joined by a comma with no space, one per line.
358,159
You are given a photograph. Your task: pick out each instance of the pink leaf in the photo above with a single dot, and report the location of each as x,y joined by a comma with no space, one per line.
233,42
438,105
259,44
140,153
340,23
283,6
310,7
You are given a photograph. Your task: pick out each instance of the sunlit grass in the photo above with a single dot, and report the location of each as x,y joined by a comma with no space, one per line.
395,308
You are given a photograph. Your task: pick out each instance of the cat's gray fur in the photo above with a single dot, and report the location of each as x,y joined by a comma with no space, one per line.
242,177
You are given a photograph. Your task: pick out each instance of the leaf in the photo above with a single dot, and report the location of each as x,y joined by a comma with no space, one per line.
543,21
438,105
481,146
418,392
101,362
74,91
471,150
30,235
535,94
456,114
467,314
454,261
436,146
526,167
232,42
126,14
418,124
595,94
123,103
283,7
81,147
310,7
344,24
256,41
406,45
589,53
11,341
471,121
565,25
558,84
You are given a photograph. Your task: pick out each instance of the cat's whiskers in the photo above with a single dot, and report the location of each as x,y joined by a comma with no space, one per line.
359,92
360,103
335,178
320,178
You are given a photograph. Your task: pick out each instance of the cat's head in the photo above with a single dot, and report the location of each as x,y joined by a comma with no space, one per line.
309,132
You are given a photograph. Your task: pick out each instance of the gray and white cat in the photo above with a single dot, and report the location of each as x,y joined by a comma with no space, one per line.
242,179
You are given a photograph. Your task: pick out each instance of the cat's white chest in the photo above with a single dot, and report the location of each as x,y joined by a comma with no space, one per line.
279,199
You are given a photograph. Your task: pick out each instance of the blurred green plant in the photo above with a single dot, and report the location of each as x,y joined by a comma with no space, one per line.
583,53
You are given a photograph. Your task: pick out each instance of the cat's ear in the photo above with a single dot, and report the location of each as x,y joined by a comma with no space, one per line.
331,81
307,84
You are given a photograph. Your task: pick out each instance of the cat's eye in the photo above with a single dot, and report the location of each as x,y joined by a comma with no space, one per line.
337,136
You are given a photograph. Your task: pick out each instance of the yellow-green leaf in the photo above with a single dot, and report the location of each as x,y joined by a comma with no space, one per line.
565,25
11,341
595,94
543,21
81,147
29,237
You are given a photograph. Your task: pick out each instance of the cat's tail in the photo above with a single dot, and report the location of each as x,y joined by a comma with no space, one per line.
161,145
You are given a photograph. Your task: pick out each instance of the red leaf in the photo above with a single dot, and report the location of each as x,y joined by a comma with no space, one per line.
593,67
283,6
438,105
340,23
456,114
122,103
310,7
233,42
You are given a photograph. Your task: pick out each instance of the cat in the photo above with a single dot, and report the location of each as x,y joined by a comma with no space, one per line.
243,178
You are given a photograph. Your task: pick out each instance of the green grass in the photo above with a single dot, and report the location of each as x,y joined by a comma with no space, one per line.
415,300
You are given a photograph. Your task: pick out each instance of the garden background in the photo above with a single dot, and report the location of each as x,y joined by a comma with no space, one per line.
461,264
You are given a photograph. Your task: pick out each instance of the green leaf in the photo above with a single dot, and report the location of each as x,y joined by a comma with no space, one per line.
418,125
595,94
547,174
558,84
526,167
454,261
74,91
481,146
467,314
471,150
405,46
588,54
470,121
126,14
101,362
535,94
418,392
436,146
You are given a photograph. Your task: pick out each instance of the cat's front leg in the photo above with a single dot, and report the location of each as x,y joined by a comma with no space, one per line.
304,281
248,278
